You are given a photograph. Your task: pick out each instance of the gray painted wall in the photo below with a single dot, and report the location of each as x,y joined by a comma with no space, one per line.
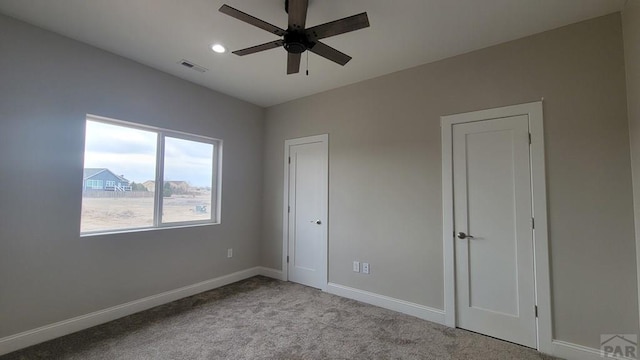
631,30
385,190
47,272
385,177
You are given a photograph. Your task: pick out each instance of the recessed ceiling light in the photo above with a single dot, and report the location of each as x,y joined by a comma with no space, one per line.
218,48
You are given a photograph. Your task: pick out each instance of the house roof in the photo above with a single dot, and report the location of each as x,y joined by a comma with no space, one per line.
91,172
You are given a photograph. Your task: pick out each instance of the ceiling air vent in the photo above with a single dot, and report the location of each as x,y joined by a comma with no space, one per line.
190,65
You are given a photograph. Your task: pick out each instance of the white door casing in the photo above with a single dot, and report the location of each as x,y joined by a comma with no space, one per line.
306,210
484,146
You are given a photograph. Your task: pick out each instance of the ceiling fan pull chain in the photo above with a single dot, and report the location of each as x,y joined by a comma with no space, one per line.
307,63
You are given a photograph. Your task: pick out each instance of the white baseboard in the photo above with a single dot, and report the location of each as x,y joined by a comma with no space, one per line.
24,339
571,351
271,273
405,307
65,327
561,349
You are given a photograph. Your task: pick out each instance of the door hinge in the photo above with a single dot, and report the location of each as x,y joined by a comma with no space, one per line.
288,209
287,259
529,138
536,310
289,159
533,223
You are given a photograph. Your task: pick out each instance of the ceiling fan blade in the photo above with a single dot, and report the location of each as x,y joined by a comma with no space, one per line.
351,23
258,48
330,53
297,14
293,63
252,20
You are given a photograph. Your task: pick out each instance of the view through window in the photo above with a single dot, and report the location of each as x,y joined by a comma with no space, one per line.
120,181
187,171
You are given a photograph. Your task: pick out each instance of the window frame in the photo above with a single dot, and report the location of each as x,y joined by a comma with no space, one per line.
158,198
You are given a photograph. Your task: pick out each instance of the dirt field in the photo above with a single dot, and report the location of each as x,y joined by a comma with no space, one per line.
121,213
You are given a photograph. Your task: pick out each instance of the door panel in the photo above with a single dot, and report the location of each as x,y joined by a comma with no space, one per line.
492,202
307,217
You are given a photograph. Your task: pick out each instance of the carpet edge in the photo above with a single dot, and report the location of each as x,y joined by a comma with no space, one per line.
271,273
44,333
387,302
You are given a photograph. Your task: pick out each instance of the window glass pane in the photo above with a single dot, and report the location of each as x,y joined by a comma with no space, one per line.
118,180
188,175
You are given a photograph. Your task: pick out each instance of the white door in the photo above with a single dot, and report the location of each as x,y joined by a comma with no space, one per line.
495,286
307,210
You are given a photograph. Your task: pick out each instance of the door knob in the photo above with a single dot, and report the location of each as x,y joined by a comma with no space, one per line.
318,222
462,235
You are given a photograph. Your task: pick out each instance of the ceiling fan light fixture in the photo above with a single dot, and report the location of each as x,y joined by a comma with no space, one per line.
297,38
218,48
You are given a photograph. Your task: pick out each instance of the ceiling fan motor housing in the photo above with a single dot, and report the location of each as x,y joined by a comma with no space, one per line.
296,42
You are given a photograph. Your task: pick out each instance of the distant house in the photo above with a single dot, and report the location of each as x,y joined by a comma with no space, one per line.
102,179
150,185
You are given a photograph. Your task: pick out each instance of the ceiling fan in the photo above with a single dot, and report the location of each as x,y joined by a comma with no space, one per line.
297,39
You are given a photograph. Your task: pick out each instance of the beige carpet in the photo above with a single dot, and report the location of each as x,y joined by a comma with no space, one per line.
261,318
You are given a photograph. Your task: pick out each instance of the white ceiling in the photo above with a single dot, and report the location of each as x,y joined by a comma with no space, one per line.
403,34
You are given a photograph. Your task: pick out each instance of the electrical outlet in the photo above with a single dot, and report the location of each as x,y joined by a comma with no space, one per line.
229,253
365,268
356,266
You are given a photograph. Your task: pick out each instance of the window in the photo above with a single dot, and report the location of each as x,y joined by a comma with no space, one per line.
138,177
94,184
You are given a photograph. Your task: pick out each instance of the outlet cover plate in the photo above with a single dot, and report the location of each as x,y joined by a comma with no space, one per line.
365,268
